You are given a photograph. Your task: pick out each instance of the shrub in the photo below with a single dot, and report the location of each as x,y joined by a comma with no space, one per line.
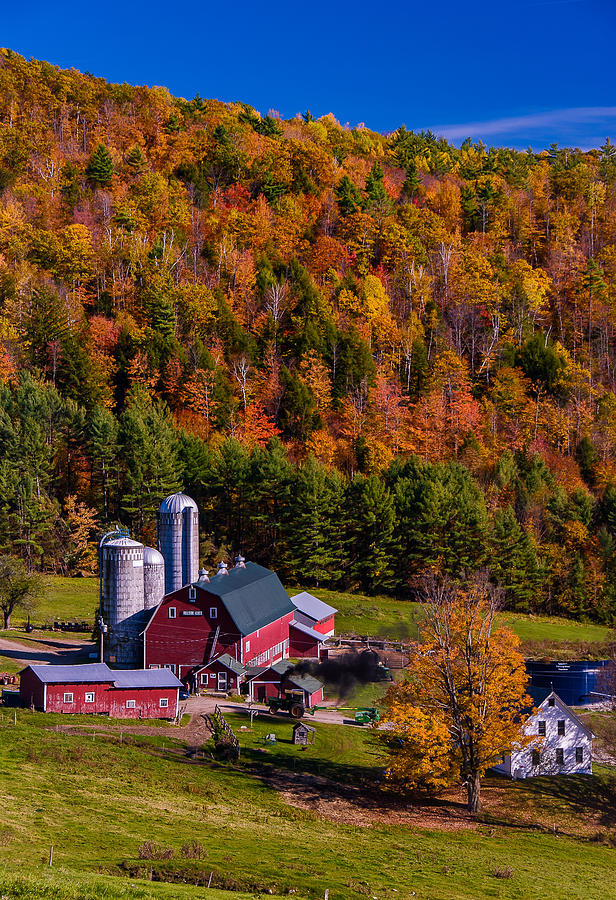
503,872
150,850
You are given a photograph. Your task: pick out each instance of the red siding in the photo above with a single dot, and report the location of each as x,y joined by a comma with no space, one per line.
147,703
56,702
31,690
325,625
207,678
265,639
187,640
302,645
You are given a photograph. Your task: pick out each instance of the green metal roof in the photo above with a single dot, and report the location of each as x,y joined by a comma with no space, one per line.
252,595
306,683
230,663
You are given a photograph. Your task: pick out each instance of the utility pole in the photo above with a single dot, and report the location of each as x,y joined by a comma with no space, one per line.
102,631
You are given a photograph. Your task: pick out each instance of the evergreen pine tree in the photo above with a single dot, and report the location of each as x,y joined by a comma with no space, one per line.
514,563
99,170
370,521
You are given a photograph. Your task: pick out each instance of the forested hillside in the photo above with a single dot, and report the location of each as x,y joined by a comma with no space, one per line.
361,354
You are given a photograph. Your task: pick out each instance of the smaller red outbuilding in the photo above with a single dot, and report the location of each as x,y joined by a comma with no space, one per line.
312,623
265,682
95,688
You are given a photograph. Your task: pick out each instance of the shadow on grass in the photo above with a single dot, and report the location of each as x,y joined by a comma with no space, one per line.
580,793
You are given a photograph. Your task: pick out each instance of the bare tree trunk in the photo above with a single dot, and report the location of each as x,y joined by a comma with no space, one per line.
473,789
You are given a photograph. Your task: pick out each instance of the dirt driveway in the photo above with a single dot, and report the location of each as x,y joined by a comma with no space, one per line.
32,649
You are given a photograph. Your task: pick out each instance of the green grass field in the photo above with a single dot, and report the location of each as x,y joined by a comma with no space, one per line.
98,803
71,599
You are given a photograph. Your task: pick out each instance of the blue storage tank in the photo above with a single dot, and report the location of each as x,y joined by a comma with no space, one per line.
574,682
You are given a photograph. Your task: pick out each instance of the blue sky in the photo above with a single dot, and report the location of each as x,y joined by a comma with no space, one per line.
527,72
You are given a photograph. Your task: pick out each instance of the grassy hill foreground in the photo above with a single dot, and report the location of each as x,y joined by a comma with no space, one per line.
145,809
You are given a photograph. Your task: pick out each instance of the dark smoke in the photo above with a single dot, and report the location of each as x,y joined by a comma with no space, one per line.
345,672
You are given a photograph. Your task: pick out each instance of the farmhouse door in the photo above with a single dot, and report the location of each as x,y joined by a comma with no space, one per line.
222,681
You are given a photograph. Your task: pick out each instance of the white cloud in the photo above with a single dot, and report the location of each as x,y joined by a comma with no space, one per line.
523,127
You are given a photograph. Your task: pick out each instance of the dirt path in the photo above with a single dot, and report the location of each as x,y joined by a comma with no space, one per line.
32,650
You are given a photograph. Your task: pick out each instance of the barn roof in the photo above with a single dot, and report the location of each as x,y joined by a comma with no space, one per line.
312,606
100,673
89,672
145,678
252,595
305,682
226,660
305,629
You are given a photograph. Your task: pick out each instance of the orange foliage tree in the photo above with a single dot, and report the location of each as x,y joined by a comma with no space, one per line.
468,677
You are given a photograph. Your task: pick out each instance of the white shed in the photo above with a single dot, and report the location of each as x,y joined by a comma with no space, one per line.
563,744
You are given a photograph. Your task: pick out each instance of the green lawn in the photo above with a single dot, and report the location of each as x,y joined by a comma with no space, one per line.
98,803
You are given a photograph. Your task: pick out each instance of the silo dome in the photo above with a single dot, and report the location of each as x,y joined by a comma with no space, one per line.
177,503
178,538
153,577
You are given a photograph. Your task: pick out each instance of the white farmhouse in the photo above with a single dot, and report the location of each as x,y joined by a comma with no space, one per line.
563,744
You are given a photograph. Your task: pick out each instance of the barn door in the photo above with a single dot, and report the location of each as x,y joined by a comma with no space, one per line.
222,681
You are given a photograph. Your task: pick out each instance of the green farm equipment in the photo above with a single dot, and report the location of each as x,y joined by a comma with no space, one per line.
293,703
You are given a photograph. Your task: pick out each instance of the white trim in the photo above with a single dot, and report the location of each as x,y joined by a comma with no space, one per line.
44,698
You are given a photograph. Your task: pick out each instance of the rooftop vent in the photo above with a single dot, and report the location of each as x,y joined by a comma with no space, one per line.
240,562
204,575
222,568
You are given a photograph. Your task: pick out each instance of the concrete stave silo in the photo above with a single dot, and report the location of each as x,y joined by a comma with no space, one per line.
122,598
178,540
153,577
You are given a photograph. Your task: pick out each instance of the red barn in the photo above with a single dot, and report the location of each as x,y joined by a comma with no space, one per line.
95,688
243,613
312,624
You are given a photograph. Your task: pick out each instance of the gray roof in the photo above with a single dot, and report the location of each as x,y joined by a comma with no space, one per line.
309,631
225,659
252,595
176,503
145,678
304,725
122,542
306,683
90,672
95,673
312,606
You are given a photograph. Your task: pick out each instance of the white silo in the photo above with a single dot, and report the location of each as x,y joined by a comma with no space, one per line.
122,598
153,577
178,539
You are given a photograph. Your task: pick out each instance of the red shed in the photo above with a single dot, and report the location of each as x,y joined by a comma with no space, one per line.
271,681
95,688
221,674
312,624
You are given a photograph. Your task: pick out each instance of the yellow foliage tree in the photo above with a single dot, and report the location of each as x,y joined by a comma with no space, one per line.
468,677
418,747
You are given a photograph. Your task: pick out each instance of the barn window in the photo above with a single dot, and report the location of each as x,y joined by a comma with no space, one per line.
247,645
192,592
561,726
541,728
213,612
204,679
170,666
551,702
536,757
89,697
130,704
171,612
560,756
163,701
579,754
68,698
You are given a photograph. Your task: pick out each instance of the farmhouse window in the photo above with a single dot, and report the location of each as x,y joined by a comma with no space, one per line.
213,612
130,704
579,754
561,726
560,756
68,698
163,701
551,702
536,757
171,612
542,729
89,697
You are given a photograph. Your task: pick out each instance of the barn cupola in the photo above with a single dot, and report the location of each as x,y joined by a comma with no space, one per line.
222,568
240,562
204,575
